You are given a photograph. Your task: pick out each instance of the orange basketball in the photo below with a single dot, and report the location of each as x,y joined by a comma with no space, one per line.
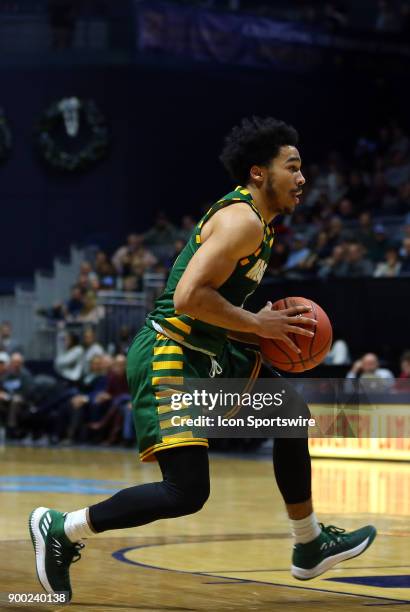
314,349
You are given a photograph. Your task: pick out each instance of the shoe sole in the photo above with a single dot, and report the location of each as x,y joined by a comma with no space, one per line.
307,574
39,547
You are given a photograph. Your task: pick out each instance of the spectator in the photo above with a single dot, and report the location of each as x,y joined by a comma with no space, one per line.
91,349
107,414
17,387
122,256
405,256
346,210
377,250
123,342
105,270
365,234
75,304
368,368
403,381
91,312
163,232
335,232
299,253
334,266
391,267
69,360
7,342
339,354
356,264
75,412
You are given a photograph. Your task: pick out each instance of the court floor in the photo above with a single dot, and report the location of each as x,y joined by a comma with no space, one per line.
233,555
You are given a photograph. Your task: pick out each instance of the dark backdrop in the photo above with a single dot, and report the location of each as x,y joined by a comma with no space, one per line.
167,129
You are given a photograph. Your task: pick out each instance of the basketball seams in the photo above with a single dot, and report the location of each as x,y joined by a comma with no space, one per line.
312,357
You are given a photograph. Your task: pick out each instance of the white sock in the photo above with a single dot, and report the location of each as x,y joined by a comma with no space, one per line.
305,530
76,526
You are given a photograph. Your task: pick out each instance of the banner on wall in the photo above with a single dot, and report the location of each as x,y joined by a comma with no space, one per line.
244,40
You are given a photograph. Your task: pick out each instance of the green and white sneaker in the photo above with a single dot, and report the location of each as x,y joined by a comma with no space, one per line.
54,551
332,546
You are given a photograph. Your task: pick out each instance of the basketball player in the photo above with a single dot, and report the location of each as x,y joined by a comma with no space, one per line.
188,335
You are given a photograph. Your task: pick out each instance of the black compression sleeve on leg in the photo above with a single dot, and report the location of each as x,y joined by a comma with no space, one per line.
292,466
184,490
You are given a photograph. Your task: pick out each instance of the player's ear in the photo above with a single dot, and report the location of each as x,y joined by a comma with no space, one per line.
257,174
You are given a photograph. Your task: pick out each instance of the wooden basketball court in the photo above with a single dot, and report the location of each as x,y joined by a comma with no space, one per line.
234,555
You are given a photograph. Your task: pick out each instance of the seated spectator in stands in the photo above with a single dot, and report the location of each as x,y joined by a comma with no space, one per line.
337,187
105,271
298,255
16,390
142,260
333,266
69,360
91,349
4,396
377,250
339,354
398,172
74,414
405,258
391,265
356,264
319,251
187,227
107,413
74,304
92,312
162,232
335,232
365,232
121,257
7,342
345,210
403,380
367,368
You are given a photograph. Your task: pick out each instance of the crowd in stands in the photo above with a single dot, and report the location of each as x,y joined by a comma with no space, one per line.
354,221
85,399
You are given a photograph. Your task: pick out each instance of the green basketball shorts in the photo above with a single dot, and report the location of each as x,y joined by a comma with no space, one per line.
157,368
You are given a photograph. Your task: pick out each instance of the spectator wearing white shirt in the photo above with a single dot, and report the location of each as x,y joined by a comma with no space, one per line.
368,369
69,360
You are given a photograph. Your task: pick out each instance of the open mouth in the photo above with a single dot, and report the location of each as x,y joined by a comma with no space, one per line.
296,195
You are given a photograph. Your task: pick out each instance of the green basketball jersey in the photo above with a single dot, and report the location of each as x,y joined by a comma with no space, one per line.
247,275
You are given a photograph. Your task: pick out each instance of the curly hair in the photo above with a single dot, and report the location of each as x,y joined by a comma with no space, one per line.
255,141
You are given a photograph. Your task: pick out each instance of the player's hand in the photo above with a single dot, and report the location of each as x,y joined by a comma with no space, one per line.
277,324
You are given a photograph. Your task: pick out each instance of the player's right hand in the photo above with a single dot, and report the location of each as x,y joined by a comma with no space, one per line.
277,324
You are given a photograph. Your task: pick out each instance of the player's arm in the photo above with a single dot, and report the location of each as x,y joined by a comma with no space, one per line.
231,235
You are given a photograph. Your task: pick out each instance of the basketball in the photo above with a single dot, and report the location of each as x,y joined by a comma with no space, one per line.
313,350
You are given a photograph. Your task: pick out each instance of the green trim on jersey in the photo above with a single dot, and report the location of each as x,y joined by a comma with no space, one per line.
237,288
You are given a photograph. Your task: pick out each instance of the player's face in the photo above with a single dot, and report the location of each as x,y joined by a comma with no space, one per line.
284,181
